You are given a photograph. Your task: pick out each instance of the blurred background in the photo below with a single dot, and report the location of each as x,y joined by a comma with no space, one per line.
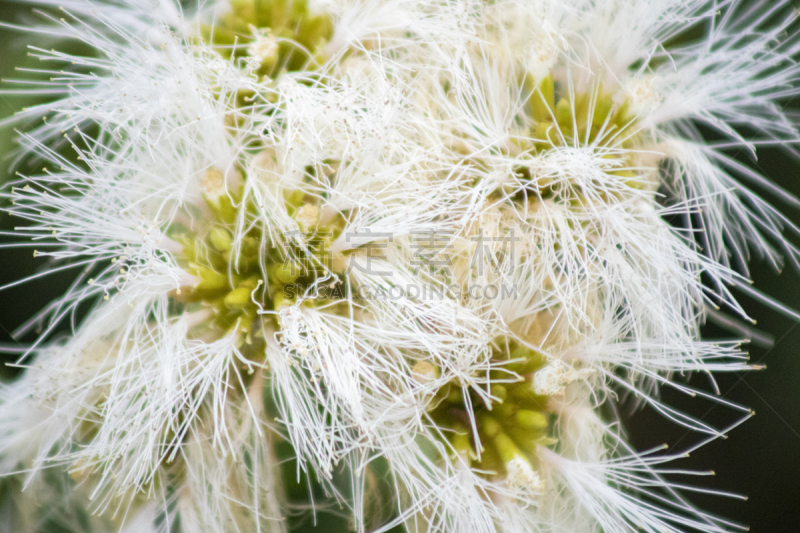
760,459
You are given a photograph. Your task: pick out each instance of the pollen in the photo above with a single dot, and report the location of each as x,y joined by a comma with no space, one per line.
213,182
307,216
424,372
553,379
642,95
264,47
522,476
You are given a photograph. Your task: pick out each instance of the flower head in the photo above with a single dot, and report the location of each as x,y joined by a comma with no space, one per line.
402,253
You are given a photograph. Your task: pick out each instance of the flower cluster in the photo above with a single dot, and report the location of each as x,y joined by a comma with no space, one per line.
395,258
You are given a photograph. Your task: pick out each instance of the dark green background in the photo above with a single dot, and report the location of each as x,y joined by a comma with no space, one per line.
760,458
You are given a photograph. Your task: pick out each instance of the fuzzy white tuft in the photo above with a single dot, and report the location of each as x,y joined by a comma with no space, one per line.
495,186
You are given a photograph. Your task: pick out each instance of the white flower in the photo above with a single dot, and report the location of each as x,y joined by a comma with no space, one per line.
397,253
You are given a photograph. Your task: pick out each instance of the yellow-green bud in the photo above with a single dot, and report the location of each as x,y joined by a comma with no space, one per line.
531,419
542,99
500,392
238,298
490,426
506,447
281,301
211,280
564,112
287,272
463,446
221,239
602,108
525,360
294,198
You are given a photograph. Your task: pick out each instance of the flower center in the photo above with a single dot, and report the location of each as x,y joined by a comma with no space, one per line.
277,34
244,274
509,427
577,133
